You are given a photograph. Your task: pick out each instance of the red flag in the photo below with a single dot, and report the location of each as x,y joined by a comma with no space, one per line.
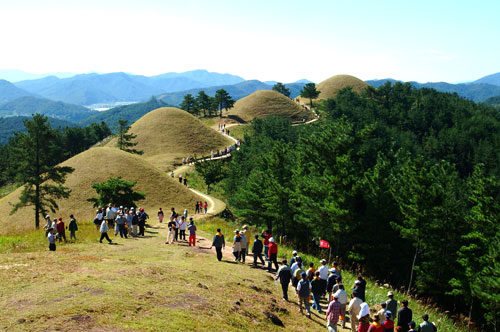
324,244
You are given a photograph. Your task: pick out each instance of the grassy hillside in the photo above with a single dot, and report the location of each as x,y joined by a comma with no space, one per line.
97,165
329,88
9,91
30,105
130,112
261,104
15,124
168,134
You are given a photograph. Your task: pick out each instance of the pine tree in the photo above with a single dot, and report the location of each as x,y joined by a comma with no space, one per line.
281,88
34,154
125,140
189,104
223,100
309,91
118,191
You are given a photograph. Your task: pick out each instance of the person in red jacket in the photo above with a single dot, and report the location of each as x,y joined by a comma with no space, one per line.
61,232
273,255
266,235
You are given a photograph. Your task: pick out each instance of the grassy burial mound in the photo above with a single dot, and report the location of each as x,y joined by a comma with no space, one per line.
97,165
168,134
330,87
263,103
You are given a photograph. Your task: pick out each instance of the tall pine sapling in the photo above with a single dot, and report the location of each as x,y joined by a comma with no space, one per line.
124,139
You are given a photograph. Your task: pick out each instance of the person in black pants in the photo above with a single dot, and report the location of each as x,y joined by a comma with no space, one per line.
257,250
218,243
284,274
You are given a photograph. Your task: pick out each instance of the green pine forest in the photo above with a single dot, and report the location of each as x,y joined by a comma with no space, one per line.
403,183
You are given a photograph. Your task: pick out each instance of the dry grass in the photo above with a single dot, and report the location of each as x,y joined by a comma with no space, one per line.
168,134
97,165
330,87
263,103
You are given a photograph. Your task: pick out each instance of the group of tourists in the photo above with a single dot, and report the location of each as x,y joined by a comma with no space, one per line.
56,230
201,207
177,227
125,221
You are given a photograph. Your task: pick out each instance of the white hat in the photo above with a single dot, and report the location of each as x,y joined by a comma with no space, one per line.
271,239
357,282
294,252
390,294
47,217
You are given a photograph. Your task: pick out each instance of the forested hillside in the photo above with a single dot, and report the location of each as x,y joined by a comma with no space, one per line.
10,125
29,105
477,91
403,182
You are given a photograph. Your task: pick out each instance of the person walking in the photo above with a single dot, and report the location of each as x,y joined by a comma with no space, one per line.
297,272
412,325
354,309
171,231
197,208
160,215
129,215
273,255
205,206
266,235
219,243
185,182
426,326
120,222
392,305
73,227
376,326
185,214
192,232
176,228
383,309
388,323
135,222
333,314
310,272
182,229
316,290
110,216
304,292
104,231
323,275
405,316
342,298
142,221
48,225
61,231
257,250
236,245
284,274
244,244
364,317
99,217
52,239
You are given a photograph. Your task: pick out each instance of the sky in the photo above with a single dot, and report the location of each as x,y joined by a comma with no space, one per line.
425,41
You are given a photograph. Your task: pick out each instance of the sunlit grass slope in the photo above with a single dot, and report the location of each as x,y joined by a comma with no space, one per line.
168,134
263,103
97,165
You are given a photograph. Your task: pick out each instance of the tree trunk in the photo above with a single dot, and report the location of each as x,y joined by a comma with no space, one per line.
470,313
311,103
37,206
412,269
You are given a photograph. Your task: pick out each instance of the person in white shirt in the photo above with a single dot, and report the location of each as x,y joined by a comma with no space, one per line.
323,275
52,239
182,229
341,295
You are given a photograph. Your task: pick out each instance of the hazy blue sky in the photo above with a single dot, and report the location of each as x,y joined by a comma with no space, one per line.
267,40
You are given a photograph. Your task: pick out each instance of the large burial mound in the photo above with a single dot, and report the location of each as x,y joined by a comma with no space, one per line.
168,134
330,87
263,103
97,165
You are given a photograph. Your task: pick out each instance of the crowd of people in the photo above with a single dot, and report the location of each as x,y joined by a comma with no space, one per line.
323,286
314,287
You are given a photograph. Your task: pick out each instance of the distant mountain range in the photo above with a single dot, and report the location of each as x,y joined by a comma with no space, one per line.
88,89
15,75
477,91
237,91
9,92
